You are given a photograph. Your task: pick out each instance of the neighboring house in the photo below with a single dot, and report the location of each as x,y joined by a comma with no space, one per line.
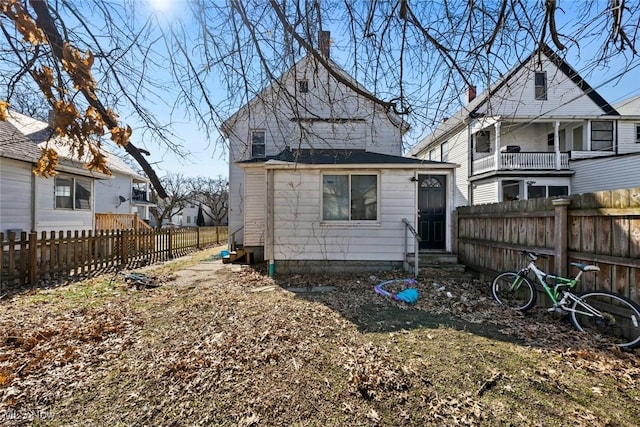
316,178
34,203
619,169
515,140
123,192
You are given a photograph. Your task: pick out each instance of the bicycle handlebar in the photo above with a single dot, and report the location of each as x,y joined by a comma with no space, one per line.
533,255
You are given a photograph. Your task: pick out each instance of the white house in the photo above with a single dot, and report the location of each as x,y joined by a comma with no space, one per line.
516,140
71,199
317,178
34,203
618,169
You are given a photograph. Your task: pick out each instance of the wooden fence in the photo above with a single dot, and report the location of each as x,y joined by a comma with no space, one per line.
600,228
31,258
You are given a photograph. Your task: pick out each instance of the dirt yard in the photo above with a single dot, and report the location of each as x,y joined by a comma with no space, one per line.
224,345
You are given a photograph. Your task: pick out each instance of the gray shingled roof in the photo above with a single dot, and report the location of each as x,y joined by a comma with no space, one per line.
15,145
339,157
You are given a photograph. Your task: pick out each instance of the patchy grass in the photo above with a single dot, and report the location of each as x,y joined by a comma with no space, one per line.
229,346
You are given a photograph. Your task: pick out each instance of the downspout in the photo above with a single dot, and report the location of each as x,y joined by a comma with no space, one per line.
269,224
33,202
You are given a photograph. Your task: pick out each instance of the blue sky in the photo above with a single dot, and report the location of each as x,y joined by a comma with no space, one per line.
207,158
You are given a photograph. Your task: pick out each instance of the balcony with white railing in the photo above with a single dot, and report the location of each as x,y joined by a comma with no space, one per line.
527,161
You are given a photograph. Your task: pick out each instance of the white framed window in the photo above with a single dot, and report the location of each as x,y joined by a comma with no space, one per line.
482,142
602,135
432,154
258,144
540,85
350,197
444,151
72,193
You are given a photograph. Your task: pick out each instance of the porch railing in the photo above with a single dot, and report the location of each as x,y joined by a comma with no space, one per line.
409,230
111,221
520,161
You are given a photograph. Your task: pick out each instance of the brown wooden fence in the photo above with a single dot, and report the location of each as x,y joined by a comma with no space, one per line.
31,258
601,228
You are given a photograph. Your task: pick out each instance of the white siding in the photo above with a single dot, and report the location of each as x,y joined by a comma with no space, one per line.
300,233
48,218
608,173
627,136
255,205
15,195
517,97
485,192
107,192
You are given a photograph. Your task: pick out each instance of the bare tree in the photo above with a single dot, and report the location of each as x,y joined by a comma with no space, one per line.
92,59
213,195
178,195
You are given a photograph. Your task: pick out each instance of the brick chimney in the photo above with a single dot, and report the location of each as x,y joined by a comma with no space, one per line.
324,42
471,93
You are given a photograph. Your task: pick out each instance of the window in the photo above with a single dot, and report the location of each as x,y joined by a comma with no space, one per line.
350,197
72,193
541,85
432,154
550,139
303,86
602,136
638,134
188,219
483,143
444,151
257,144
538,191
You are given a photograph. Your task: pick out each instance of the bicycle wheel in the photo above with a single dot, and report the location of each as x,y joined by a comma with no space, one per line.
513,290
616,317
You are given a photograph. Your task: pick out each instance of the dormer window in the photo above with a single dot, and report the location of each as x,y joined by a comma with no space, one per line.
303,86
258,144
541,85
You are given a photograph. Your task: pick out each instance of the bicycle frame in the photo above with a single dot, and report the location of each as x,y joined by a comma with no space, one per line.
555,292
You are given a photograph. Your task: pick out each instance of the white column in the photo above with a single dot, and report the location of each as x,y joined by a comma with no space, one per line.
497,153
556,143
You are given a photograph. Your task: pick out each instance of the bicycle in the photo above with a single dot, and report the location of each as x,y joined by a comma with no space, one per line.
596,311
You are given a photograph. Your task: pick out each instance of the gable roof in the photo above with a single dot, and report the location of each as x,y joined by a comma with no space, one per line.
469,110
629,106
396,120
341,157
41,135
15,145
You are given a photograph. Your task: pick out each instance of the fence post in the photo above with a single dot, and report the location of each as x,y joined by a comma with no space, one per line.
170,245
454,231
123,248
560,228
33,251
198,238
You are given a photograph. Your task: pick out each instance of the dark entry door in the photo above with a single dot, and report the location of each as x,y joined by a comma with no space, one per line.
432,211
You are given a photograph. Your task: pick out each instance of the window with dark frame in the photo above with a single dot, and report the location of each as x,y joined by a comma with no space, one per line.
482,142
444,151
72,193
349,197
303,86
258,144
638,133
602,135
541,85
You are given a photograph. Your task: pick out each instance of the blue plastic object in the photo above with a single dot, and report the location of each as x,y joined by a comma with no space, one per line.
409,295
